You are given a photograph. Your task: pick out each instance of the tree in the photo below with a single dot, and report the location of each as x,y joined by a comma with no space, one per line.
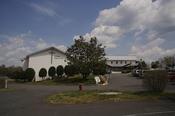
3,70
169,61
52,72
84,55
85,71
42,73
155,64
29,74
100,69
142,64
60,71
70,70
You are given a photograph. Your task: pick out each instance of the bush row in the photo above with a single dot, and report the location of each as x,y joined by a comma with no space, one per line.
71,70
68,70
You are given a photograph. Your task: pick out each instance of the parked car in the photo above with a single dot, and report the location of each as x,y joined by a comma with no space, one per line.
137,73
108,71
171,76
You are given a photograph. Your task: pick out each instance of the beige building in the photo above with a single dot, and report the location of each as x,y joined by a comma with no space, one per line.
120,62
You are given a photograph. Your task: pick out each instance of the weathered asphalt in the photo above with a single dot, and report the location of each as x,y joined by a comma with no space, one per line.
29,100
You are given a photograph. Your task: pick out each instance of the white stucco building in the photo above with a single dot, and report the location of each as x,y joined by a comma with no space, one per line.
44,59
119,62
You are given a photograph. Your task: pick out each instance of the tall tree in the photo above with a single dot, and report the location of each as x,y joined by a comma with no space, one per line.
155,64
86,54
169,61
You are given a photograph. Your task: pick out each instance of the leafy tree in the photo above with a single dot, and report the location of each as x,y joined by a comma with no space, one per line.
67,70
29,74
85,71
70,70
100,69
168,61
83,54
60,71
52,72
155,64
142,64
3,70
42,73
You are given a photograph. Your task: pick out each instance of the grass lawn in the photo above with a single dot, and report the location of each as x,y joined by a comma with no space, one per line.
6,90
74,80
82,97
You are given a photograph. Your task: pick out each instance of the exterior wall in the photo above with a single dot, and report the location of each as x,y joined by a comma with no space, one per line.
120,63
43,60
25,63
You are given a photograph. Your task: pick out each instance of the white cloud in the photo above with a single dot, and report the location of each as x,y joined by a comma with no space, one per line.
61,47
107,35
144,20
13,49
43,9
152,50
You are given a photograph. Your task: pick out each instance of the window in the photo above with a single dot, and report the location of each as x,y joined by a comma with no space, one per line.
57,57
116,62
125,62
111,62
121,62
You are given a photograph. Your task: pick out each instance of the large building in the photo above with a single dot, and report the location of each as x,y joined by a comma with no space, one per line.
44,59
54,57
118,63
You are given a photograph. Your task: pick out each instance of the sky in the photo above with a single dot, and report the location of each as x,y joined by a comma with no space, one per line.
145,28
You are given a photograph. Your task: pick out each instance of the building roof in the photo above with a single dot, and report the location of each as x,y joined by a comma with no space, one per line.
121,57
50,48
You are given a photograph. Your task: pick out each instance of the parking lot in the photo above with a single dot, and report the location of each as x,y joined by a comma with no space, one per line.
29,100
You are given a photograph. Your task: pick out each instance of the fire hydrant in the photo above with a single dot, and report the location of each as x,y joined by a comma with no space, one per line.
80,87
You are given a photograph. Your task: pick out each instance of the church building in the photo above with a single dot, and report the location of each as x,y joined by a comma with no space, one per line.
44,59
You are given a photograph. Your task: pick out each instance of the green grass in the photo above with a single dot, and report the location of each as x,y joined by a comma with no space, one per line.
74,80
6,90
77,97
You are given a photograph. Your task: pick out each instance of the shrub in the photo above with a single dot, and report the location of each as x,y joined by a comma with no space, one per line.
2,82
155,80
42,73
3,71
60,71
52,72
68,71
19,75
29,74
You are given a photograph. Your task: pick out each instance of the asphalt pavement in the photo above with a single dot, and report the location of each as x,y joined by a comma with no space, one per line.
30,100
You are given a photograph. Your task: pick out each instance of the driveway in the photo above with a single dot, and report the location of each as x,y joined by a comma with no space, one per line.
29,100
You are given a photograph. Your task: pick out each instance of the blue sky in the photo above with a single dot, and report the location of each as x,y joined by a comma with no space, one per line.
144,28
69,18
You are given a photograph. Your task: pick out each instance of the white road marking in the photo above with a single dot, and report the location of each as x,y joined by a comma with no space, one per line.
151,113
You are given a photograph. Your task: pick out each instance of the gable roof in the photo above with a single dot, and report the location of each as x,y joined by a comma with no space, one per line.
121,57
50,48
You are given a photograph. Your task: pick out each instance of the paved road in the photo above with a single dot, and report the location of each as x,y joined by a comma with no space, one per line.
29,100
